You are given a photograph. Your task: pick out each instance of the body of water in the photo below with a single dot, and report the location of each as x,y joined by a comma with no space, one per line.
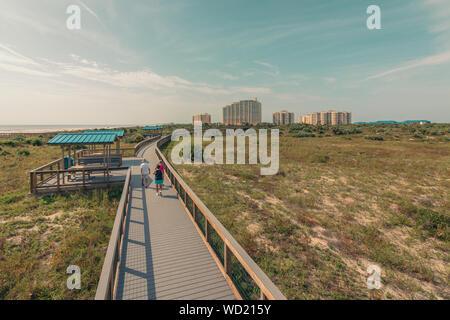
52,128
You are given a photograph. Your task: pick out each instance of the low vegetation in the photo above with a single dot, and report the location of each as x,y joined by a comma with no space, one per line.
40,236
343,199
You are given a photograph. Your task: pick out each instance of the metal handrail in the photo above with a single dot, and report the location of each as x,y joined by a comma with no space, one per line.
268,290
105,287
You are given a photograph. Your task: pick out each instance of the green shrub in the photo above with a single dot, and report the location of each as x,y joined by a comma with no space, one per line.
24,152
10,143
47,199
435,223
376,137
303,134
321,158
339,131
114,193
10,198
138,137
37,142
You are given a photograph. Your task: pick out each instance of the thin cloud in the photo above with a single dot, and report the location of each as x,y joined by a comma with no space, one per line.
92,12
13,61
424,62
83,69
9,55
250,90
24,70
274,71
225,75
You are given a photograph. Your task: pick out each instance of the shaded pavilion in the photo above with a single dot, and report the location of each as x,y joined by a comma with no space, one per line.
153,130
119,133
99,147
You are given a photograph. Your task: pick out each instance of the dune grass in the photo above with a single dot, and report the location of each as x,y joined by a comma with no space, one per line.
343,199
40,236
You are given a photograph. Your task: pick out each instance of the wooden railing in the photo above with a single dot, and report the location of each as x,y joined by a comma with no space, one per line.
245,277
144,143
61,182
106,284
40,175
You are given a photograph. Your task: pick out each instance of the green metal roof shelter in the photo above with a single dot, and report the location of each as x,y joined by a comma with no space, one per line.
69,140
119,133
152,128
83,138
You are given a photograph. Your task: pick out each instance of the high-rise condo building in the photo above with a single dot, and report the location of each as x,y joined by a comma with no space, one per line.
242,112
331,117
283,117
203,118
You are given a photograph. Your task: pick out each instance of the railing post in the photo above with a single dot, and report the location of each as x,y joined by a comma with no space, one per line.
57,179
84,179
194,212
227,259
111,286
31,182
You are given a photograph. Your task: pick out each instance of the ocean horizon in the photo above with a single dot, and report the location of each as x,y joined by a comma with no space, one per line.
49,128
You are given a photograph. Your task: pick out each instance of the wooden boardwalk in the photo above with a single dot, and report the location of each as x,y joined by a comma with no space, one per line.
163,255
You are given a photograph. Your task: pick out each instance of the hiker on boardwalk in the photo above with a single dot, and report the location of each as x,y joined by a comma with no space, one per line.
161,166
145,172
158,179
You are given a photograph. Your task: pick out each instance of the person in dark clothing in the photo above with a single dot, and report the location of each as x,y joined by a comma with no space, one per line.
158,180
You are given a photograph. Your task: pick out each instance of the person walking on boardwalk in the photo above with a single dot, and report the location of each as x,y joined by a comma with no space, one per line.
145,172
158,179
161,166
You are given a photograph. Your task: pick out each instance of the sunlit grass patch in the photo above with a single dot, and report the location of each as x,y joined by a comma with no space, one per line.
338,205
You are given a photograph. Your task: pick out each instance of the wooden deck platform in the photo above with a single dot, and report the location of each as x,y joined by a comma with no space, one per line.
94,181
